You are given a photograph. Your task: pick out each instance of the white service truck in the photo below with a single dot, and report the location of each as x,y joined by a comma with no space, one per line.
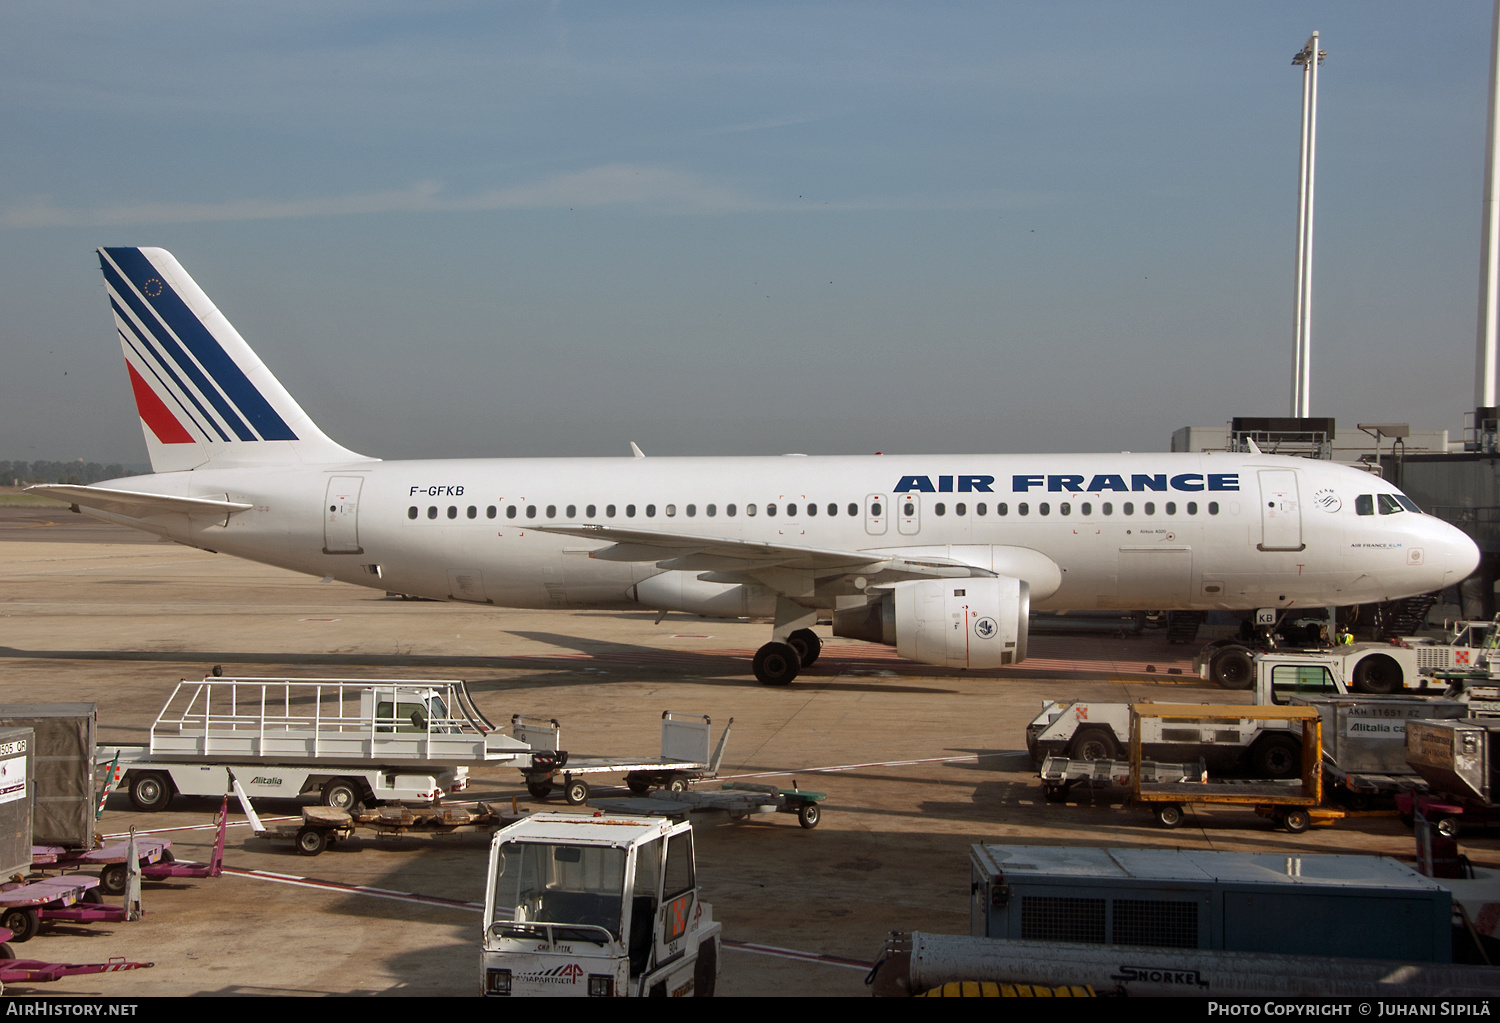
1376,669
596,905
351,741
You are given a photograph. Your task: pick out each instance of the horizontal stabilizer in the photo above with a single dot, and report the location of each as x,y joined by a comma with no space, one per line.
138,506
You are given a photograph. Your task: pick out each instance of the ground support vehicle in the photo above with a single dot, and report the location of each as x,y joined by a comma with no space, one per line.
1364,742
685,757
1447,815
113,859
737,799
1290,804
1085,730
169,867
596,905
322,826
351,741
37,971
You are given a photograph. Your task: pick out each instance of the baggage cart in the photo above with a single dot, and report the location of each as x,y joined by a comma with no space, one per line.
1290,804
685,757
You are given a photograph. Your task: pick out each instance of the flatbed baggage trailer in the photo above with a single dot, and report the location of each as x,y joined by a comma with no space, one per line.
1292,805
684,757
322,826
737,799
349,740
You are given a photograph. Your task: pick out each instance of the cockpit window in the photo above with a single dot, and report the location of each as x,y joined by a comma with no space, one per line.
1389,505
1364,504
1408,503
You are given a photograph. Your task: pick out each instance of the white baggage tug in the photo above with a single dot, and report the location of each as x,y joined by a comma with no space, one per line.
596,905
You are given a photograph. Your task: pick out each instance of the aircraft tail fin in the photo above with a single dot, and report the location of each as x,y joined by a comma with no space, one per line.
204,397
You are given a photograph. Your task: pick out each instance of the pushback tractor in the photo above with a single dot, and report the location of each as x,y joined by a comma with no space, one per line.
596,905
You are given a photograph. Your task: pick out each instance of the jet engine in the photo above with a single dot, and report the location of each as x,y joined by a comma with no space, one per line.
957,623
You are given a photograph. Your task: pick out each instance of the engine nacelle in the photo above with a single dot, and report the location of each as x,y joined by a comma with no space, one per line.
957,623
684,591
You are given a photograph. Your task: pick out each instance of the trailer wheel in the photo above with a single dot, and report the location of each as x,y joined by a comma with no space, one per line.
150,791
706,970
1169,815
1276,756
92,897
1296,820
808,815
341,794
6,952
539,789
1448,827
1057,792
576,792
1093,744
1233,668
677,783
22,924
112,878
638,786
311,841
1379,675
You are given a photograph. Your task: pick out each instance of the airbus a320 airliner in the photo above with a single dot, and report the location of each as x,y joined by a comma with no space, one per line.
942,556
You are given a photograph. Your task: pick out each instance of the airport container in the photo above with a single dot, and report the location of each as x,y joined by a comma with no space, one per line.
1461,758
63,766
1367,734
16,787
1368,907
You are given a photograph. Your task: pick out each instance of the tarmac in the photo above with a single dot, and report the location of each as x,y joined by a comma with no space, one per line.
918,764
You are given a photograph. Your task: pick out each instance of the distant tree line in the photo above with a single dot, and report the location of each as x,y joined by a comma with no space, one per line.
20,474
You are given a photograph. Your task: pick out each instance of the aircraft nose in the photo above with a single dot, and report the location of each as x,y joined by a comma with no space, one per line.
1460,555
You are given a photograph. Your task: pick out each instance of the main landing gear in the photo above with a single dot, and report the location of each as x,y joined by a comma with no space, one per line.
777,663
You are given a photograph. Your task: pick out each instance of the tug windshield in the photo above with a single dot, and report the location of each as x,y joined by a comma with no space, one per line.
558,885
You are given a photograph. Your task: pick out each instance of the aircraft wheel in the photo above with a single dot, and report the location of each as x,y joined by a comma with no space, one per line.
807,644
776,664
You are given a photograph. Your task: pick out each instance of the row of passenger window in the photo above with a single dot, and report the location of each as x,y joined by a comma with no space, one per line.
610,511
810,510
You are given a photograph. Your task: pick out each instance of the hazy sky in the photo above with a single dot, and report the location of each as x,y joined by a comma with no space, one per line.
552,228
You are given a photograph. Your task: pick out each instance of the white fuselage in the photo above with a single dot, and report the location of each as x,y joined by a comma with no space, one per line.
1152,531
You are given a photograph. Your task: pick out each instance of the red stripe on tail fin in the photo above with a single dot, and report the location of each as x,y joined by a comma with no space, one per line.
154,412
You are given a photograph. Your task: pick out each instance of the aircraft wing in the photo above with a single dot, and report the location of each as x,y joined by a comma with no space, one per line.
136,505
725,555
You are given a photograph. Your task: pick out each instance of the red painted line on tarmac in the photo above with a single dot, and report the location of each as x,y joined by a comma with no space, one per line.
474,907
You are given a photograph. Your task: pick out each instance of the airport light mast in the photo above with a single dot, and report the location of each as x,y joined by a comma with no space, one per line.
1309,58
1489,244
